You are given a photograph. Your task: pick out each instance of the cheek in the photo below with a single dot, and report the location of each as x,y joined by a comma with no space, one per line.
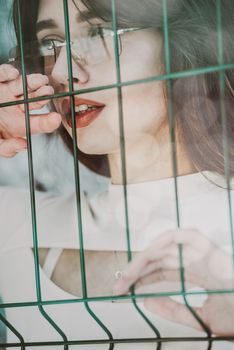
143,60
144,108
144,111
139,70
103,75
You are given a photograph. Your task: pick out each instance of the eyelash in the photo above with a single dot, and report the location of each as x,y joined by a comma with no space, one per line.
47,40
97,30
92,31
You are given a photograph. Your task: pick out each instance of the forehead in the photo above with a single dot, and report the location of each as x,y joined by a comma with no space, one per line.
53,9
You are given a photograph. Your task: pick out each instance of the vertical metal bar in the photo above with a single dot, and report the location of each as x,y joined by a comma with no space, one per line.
77,178
174,163
16,333
121,130
123,166
182,277
31,183
3,329
124,174
171,120
224,118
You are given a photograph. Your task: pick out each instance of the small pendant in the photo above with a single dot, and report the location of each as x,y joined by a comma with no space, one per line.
118,275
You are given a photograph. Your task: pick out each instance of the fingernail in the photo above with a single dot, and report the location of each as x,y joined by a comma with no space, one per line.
21,149
54,119
117,289
46,79
13,74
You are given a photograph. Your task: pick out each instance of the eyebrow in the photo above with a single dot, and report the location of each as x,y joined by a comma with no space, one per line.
51,24
46,24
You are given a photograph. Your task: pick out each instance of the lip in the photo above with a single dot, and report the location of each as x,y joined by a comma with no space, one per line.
85,119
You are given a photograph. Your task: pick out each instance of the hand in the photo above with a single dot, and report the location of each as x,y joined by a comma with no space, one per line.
12,119
205,265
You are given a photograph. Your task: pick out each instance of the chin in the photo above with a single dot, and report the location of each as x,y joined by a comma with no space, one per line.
91,152
89,147
98,148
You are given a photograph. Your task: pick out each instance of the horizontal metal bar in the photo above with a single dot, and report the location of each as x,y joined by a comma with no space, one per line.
124,341
176,75
115,298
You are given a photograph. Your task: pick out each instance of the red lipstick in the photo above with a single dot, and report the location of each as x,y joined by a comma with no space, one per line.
86,111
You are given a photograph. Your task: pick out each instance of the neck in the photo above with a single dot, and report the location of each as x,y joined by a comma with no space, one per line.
148,158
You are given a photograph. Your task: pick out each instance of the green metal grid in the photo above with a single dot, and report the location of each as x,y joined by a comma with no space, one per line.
86,300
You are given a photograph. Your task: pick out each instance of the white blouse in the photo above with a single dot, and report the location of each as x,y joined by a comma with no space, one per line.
151,210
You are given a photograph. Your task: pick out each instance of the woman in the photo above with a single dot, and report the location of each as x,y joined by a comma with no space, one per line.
151,198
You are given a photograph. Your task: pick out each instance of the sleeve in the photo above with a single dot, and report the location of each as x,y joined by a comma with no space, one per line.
56,218
14,208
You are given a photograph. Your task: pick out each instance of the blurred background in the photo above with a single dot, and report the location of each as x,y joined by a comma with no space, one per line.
53,163
7,36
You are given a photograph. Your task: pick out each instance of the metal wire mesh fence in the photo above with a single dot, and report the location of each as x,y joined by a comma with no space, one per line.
109,340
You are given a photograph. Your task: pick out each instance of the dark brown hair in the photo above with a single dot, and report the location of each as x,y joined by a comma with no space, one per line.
193,44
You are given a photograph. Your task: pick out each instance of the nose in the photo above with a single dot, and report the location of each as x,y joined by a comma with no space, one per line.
59,72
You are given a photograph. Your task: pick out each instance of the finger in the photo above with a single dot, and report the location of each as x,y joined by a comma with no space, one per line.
157,270
169,261
144,263
178,236
159,275
185,237
42,91
166,272
10,147
194,238
8,73
190,258
131,275
157,250
45,123
173,311
34,82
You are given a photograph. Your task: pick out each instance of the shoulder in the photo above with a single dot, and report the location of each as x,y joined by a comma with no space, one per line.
209,210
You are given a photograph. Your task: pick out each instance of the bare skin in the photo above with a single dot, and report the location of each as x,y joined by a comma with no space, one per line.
160,262
12,119
101,267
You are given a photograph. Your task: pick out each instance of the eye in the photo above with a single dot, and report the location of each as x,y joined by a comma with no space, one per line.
48,46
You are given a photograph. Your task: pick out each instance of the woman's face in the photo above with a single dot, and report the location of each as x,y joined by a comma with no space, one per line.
144,109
